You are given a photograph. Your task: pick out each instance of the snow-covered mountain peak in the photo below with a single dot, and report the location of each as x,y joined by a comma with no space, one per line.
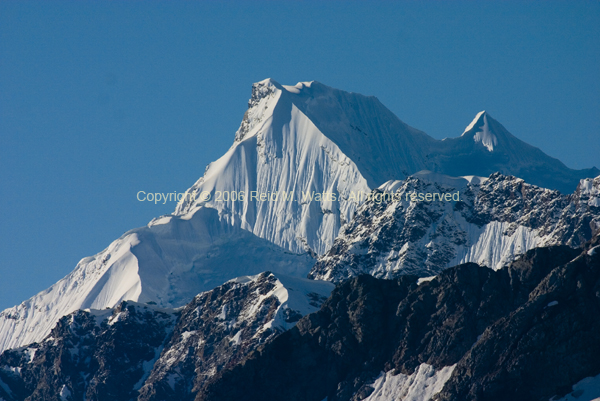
486,146
267,82
301,159
268,180
482,131
264,96
263,89
477,121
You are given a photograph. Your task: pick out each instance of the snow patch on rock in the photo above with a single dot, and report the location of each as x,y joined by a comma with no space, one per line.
422,385
587,389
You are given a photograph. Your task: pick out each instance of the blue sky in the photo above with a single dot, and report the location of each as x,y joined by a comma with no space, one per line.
99,100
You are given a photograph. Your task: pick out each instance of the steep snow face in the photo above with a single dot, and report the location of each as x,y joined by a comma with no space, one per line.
422,385
96,282
278,198
281,155
496,244
487,221
167,262
382,147
313,139
485,136
473,123
277,150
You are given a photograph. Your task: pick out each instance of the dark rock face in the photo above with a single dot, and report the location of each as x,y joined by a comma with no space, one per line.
216,331
369,325
140,352
92,356
350,334
203,341
542,348
525,332
390,237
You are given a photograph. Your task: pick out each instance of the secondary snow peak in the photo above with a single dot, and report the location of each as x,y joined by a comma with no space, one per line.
482,132
474,123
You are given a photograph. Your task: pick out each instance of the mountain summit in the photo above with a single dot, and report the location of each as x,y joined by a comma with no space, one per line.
482,133
311,138
486,147
276,200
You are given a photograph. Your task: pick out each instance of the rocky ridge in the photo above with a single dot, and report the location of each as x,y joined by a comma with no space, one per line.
101,355
142,352
490,222
481,333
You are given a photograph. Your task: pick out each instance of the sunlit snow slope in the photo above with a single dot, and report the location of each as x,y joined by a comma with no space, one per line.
311,138
168,262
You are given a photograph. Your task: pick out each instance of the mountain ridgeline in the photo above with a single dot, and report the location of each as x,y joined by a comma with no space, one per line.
528,331
525,332
213,302
495,219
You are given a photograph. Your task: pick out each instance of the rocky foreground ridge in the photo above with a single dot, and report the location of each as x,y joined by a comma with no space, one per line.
142,352
525,332
528,331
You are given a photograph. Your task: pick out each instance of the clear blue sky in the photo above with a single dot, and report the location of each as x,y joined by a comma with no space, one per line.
100,100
